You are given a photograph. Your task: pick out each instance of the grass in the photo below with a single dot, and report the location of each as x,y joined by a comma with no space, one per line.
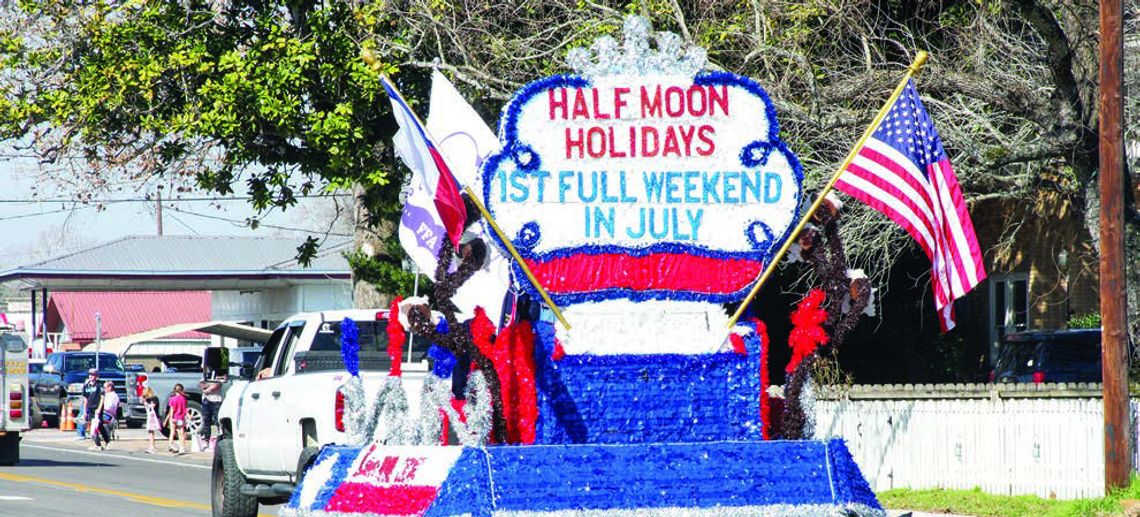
978,503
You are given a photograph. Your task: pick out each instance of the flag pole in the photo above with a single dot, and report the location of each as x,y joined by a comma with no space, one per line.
487,216
919,60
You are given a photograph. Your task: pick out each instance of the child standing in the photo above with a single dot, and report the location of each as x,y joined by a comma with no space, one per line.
153,425
176,419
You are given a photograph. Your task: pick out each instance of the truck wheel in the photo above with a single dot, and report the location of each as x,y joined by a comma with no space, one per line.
10,449
193,417
35,414
226,480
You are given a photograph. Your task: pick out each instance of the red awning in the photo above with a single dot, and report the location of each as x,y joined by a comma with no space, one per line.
125,313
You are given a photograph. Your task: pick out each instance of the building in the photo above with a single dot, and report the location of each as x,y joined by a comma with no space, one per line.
252,280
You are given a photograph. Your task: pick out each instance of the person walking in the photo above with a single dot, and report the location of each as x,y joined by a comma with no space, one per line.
153,424
176,419
211,401
92,399
105,417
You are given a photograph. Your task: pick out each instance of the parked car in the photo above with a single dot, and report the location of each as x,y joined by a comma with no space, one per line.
63,375
1049,356
35,370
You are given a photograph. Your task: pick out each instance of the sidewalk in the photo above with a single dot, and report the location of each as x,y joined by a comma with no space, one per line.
131,442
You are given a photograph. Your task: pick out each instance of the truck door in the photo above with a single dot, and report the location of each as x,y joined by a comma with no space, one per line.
269,428
248,405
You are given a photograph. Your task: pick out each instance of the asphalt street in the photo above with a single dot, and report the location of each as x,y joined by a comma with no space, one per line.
57,475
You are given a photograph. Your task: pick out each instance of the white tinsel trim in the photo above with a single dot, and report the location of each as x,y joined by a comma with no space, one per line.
358,416
649,327
426,429
807,402
391,410
477,411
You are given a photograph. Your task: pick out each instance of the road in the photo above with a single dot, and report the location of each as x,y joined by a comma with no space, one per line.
59,475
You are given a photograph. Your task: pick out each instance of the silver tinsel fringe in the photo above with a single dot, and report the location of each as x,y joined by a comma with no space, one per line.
358,417
391,414
807,401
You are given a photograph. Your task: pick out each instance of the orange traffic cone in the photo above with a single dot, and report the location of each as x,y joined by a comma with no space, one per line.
66,422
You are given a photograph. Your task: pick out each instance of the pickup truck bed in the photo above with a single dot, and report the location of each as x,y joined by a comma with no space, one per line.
273,427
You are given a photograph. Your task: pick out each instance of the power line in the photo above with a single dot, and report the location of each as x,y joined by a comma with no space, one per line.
151,200
22,216
240,222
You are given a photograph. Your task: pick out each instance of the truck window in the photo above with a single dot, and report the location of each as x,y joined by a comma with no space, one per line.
288,344
13,344
324,353
271,346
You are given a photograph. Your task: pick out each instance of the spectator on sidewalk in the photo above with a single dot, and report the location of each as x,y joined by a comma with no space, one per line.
92,398
107,416
153,424
211,401
176,419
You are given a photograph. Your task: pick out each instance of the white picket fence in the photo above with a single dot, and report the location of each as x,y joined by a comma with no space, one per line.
1047,441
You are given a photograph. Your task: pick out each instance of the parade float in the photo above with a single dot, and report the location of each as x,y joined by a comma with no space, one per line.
643,193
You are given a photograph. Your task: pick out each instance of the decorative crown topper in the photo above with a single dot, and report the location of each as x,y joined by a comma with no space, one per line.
635,57
643,177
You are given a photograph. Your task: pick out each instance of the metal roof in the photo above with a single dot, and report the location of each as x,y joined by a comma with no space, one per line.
180,262
127,313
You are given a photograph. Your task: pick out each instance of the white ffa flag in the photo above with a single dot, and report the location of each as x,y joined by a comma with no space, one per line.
465,141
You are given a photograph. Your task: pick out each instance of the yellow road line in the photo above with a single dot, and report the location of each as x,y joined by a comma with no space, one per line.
138,498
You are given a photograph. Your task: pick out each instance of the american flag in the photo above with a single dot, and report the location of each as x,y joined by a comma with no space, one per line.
903,172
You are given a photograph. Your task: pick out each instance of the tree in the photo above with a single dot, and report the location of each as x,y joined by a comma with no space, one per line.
223,92
206,95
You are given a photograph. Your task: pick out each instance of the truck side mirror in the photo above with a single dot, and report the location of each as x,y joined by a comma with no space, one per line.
216,362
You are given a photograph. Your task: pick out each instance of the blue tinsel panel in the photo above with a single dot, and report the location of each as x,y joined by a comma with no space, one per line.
648,398
467,490
700,475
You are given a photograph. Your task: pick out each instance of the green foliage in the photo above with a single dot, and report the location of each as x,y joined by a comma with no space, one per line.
976,502
272,95
1085,321
387,276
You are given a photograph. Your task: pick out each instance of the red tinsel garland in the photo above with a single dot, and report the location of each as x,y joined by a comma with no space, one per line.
522,383
483,335
807,333
737,344
396,337
558,353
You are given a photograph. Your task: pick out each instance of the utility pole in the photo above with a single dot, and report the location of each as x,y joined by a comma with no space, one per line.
158,210
1113,304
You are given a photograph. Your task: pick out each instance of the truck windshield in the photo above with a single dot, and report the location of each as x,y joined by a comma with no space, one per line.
81,362
373,338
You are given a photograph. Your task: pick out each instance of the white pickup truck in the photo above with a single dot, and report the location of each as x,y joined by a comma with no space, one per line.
273,423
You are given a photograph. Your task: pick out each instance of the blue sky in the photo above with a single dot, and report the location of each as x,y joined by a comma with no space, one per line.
35,230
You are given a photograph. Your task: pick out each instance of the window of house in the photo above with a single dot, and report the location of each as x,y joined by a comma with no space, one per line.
1009,307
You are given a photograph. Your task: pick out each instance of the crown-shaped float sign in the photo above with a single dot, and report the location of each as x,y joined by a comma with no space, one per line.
642,176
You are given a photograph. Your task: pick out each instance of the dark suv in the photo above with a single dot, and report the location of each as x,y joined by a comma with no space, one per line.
1049,356
64,374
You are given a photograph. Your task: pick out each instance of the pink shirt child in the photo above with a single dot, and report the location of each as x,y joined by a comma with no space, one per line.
177,407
